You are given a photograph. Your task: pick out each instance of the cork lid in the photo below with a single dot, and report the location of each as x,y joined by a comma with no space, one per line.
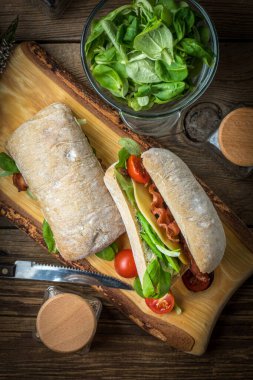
236,136
66,323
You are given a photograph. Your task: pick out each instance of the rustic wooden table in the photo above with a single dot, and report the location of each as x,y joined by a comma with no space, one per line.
121,350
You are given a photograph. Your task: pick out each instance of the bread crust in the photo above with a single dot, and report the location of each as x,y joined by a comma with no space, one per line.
57,162
190,206
128,216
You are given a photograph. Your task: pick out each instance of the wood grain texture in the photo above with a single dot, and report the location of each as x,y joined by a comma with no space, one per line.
236,136
225,14
66,323
103,130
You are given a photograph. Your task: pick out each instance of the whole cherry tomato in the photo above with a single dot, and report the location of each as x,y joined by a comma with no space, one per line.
162,305
124,264
136,170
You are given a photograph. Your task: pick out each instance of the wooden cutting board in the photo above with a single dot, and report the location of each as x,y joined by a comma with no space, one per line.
34,80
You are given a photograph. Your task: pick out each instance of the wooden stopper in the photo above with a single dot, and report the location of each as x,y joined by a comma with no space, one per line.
236,136
66,323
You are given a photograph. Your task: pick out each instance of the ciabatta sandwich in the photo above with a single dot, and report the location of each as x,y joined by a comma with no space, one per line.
170,221
61,170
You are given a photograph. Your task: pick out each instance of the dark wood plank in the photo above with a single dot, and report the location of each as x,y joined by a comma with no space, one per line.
5,223
233,19
120,349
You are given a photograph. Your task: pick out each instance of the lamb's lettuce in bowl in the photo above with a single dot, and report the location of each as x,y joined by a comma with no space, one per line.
149,57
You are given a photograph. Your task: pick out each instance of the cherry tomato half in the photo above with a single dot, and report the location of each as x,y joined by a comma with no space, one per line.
193,284
136,170
124,264
162,305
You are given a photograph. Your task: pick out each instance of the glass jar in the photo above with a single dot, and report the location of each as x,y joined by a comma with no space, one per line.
66,321
159,121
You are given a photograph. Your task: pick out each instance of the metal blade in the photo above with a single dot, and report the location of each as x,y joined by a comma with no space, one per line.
33,271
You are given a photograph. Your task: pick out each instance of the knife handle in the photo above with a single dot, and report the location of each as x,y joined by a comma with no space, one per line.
7,270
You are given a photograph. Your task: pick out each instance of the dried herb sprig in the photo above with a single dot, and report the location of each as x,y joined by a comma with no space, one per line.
7,40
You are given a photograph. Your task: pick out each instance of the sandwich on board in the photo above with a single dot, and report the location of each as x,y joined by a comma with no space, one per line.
170,221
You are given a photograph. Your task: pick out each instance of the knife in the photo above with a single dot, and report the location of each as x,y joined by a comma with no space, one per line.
28,270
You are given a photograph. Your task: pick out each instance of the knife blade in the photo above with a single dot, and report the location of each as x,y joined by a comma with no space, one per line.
29,270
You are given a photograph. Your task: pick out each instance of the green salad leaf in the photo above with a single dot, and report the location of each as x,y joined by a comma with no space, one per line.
149,42
183,22
123,157
137,287
195,49
156,245
155,41
131,31
108,253
175,72
31,195
131,146
7,164
5,173
163,13
156,281
142,71
48,237
97,28
111,31
165,92
106,56
126,185
109,78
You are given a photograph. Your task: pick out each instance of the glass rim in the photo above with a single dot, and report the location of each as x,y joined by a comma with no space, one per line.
194,96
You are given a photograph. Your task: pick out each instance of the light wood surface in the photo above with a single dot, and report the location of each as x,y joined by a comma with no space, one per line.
66,323
236,136
27,68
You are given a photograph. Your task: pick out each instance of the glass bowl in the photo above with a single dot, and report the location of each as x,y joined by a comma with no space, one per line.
158,120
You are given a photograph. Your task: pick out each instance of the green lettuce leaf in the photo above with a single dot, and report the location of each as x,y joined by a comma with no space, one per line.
156,281
48,237
108,253
8,164
131,146
126,185
123,157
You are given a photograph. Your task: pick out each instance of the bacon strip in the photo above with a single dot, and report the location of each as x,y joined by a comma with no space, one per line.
163,214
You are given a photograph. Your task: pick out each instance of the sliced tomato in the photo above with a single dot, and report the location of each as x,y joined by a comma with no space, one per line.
136,170
194,284
162,305
124,264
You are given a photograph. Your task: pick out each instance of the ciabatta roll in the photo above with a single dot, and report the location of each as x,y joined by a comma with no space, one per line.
62,171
